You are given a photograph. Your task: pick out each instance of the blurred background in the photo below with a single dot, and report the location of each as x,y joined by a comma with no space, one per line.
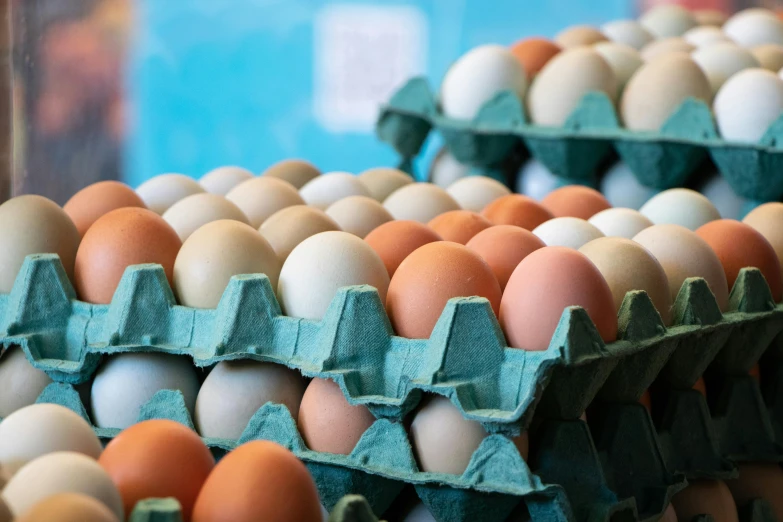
128,89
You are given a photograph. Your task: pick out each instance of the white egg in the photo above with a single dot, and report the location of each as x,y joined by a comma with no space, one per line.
22,382
419,513
162,191
665,47
623,60
755,26
476,192
720,193
331,187
324,514
747,104
222,179
568,232
358,215
445,169
621,188
419,202
382,181
189,214
535,180
721,61
259,198
628,32
667,20
770,56
680,206
705,35
127,381
620,222
477,77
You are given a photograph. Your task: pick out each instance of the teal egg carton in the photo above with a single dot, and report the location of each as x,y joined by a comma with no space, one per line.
574,152
620,464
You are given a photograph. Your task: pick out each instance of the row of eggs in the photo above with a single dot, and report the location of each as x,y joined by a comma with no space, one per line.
647,67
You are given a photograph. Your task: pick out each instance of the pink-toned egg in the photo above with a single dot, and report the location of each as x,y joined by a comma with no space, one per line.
503,247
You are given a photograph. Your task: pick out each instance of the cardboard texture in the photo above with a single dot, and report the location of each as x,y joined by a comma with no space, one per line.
662,160
616,467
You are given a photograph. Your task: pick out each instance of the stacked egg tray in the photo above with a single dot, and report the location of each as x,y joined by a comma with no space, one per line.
620,466
575,152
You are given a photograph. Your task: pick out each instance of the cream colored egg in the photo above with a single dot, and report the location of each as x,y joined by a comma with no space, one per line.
564,81
476,192
766,220
215,253
22,382
711,17
680,206
477,77
721,61
627,266
628,32
61,472
332,187
747,104
568,232
127,381
296,172
720,194
445,169
754,26
235,390
660,48
358,215
683,254
419,202
259,198
222,179
623,60
162,191
40,429
658,89
705,35
579,35
535,180
621,188
322,264
769,56
34,225
382,181
620,222
667,20
288,227
189,214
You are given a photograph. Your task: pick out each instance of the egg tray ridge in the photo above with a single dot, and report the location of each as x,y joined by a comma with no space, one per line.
661,160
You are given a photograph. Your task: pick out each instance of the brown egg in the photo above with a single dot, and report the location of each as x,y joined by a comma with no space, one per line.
296,172
259,480
121,238
575,201
579,35
705,497
759,480
700,387
766,219
738,245
428,278
503,247
459,226
95,200
68,507
395,240
517,210
646,401
328,422
286,228
533,53
755,372
670,515
542,286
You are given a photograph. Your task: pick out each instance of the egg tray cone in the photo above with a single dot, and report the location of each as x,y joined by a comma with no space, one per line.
663,159
465,359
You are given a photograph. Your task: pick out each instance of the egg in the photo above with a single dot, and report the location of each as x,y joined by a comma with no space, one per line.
428,278
705,35
461,96
503,247
331,187
259,480
34,225
557,90
747,104
667,46
720,194
327,422
459,226
737,246
216,252
766,219
623,60
535,180
711,17
705,497
670,515
445,169
621,188
40,429
290,226
419,202
93,201
579,35
534,53
127,381
189,214
7,516
68,507
162,191
22,382
394,241
627,266
322,264
296,172
683,254
567,232
758,480
684,207
575,201
667,20
61,472
545,283
769,56
418,513
158,459
235,390
754,26
221,180
476,192
259,198
628,32
721,61
358,215
620,222
381,181
518,210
